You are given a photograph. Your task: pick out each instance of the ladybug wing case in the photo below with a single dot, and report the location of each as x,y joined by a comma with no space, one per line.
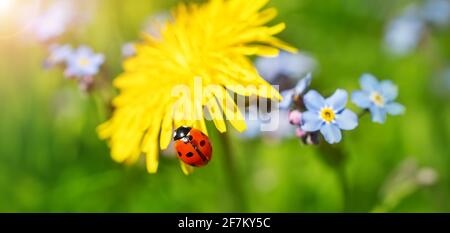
201,141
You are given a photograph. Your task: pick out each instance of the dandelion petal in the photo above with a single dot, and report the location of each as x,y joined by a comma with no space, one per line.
187,170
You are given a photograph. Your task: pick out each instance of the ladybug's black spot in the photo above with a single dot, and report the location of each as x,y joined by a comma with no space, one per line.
179,153
189,154
202,143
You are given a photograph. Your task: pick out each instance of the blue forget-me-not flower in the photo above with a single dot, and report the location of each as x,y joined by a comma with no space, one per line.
378,98
58,55
84,63
403,34
329,116
290,95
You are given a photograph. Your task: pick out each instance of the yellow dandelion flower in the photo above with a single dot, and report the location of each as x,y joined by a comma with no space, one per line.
207,43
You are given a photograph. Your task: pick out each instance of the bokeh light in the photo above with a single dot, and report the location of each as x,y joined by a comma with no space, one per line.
5,6
16,17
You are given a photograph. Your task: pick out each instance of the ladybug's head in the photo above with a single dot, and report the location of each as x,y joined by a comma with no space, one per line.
181,132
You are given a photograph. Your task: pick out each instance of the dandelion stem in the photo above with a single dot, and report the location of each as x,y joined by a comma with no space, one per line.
102,96
232,173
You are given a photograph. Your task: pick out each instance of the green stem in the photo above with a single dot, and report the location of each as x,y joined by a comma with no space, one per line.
335,158
345,187
99,105
362,113
232,173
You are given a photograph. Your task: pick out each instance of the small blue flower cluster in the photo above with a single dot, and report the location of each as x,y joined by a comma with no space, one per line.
378,98
81,63
313,114
284,70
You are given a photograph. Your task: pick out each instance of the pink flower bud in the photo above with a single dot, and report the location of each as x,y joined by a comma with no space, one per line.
295,117
299,132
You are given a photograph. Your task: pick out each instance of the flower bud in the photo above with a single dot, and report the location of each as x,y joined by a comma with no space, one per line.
295,117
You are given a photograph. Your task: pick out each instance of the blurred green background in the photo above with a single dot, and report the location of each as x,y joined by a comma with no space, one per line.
51,159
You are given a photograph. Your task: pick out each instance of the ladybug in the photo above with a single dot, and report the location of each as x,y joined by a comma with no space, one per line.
193,146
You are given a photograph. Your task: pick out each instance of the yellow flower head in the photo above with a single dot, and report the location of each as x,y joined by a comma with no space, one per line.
203,45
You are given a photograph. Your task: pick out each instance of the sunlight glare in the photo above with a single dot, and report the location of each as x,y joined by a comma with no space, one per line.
5,5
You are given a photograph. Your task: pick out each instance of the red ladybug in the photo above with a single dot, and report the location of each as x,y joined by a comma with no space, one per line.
193,146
